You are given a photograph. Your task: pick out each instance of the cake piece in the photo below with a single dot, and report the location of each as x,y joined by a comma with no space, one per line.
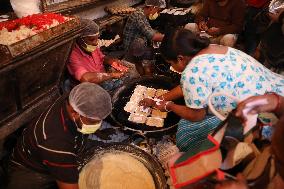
136,118
150,93
161,92
155,122
139,89
143,111
159,114
130,107
172,11
136,98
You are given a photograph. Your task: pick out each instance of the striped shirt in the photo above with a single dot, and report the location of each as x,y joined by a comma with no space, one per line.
51,145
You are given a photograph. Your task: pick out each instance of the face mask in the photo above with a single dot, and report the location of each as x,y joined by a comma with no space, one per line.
153,16
88,129
89,48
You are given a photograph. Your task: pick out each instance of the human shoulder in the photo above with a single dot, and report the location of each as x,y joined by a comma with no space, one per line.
58,145
137,14
76,51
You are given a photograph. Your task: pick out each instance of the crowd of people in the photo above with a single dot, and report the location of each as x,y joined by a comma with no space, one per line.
205,55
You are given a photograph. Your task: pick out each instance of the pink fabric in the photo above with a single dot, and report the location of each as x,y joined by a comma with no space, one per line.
81,63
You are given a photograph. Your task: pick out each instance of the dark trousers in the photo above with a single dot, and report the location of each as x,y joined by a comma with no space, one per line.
21,177
251,36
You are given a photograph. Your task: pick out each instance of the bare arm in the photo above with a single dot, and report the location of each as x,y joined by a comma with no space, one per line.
204,13
269,103
100,77
173,94
109,60
186,112
181,110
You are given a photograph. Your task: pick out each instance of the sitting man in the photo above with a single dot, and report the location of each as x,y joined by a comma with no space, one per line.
87,62
138,26
48,150
222,20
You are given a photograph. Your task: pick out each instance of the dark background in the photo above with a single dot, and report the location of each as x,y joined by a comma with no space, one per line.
5,6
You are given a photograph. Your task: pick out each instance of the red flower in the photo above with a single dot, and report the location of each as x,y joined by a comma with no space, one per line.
35,21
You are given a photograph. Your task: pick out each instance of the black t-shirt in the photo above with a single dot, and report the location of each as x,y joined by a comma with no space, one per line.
52,144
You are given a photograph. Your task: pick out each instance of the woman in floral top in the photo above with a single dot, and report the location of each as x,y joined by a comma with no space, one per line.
207,69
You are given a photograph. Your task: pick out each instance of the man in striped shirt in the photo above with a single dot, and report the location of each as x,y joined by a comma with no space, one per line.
47,153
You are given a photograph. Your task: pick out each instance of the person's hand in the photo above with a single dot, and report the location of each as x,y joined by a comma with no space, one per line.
163,106
147,102
257,104
213,31
274,17
117,75
117,64
240,183
202,26
160,97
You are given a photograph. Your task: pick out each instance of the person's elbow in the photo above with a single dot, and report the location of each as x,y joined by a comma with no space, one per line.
88,77
198,117
84,79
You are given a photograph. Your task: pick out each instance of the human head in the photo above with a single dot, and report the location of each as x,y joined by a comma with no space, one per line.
90,33
90,103
153,7
179,46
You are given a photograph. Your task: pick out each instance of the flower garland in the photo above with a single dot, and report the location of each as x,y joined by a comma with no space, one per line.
35,21
19,29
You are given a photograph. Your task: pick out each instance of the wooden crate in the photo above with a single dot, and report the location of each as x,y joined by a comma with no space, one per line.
8,52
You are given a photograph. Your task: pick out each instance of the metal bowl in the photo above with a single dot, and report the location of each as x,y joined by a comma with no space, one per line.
150,162
122,96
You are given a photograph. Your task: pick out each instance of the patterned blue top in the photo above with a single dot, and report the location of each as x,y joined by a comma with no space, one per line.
234,73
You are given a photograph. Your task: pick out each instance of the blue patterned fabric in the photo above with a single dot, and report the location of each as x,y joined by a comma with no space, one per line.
234,73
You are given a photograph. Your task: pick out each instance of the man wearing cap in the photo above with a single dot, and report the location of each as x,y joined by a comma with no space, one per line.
138,26
87,62
46,155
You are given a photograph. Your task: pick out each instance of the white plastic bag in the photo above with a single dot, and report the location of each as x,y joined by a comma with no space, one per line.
25,7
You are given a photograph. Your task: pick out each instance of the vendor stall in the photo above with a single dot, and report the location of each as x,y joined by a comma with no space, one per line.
34,51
